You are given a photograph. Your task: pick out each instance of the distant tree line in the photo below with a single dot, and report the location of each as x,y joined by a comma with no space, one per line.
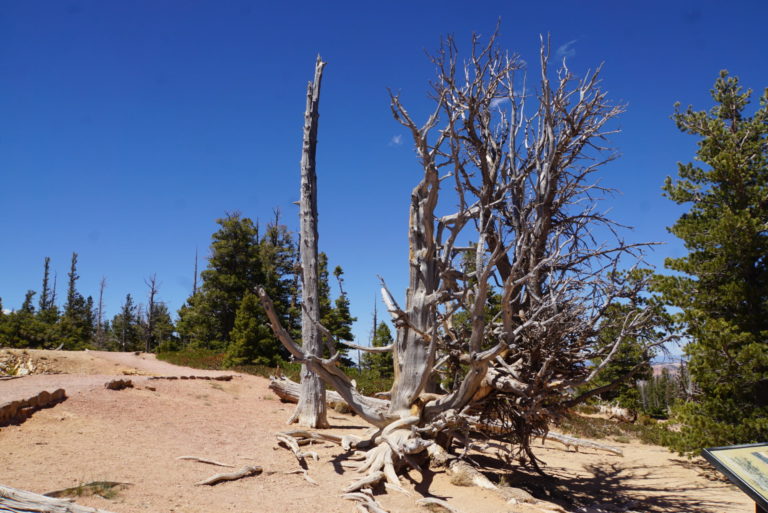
222,314
80,324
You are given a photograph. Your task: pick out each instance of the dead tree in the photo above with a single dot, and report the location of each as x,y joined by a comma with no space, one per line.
151,282
310,411
494,337
100,315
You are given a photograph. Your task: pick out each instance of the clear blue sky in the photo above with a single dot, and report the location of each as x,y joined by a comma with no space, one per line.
127,128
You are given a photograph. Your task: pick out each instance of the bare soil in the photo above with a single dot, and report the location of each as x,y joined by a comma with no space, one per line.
135,435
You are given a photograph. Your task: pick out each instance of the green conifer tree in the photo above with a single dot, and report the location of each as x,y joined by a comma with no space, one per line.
234,268
722,283
21,327
47,313
380,363
3,326
252,339
75,328
126,330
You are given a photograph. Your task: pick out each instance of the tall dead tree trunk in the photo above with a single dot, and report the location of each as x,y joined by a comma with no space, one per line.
100,319
151,282
311,410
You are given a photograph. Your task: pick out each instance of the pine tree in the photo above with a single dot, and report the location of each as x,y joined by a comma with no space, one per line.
21,327
234,268
4,342
722,283
46,295
47,314
126,330
278,254
252,339
632,362
163,330
337,318
380,363
75,328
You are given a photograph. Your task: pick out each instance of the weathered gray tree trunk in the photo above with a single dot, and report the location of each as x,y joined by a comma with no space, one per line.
311,411
22,501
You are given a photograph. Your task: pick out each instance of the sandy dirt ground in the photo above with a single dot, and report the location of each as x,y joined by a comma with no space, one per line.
135,435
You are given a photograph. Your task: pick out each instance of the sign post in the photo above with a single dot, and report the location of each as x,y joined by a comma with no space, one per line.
746,466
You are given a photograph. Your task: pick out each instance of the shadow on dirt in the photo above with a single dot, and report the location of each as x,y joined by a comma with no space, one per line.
607,487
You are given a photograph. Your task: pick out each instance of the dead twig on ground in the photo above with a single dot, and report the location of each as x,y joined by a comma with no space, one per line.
232,476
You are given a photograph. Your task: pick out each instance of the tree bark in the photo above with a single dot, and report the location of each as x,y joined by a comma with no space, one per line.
311,411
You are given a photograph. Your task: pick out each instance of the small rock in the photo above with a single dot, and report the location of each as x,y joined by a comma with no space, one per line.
119,384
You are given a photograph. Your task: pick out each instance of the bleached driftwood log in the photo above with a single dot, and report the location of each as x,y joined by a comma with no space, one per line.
570,441
289,391
22,501
231,476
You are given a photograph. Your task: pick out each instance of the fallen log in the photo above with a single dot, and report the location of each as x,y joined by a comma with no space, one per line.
570,441
288,391
22,501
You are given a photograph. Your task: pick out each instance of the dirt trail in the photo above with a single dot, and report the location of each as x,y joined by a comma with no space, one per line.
135,435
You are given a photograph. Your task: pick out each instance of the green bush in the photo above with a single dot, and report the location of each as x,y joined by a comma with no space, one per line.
196,358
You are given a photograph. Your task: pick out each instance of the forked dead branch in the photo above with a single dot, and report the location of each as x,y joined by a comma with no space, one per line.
499,337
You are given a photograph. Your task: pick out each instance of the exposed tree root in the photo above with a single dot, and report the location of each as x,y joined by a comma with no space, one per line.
289,442
232,476
369,480
439,502
365,501
305,474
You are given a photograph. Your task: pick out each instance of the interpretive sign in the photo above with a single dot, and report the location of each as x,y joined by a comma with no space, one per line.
746,466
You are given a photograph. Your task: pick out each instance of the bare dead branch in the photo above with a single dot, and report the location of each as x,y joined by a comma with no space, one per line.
202,460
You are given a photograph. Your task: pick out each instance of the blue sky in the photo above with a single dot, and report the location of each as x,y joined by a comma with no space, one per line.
127,128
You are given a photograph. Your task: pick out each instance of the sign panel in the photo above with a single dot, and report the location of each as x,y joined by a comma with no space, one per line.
746,466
